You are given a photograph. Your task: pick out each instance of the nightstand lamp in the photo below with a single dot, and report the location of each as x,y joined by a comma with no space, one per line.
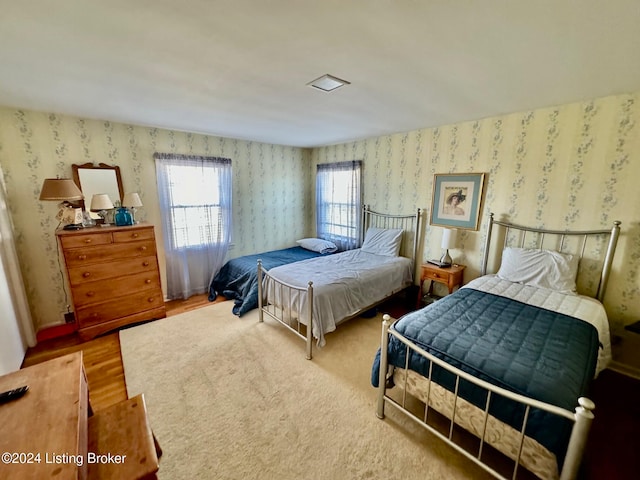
132,201
100,203
448,241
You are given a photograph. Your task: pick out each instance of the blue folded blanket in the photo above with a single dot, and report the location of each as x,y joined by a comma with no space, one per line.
237,280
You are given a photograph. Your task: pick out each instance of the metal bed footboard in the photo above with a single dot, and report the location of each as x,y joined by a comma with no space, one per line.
582,417
291,310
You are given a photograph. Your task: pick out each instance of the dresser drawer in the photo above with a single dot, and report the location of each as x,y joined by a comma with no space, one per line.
433,275
102,291
106,253
76,241
107,311
101,271
133,235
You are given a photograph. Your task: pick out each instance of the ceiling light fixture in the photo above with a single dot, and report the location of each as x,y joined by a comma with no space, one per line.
327,83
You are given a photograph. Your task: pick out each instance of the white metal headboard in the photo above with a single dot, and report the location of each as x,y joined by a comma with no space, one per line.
517,235
409,223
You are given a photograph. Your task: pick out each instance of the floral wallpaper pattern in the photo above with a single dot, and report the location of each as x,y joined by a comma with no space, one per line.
566,167
269,180
571,166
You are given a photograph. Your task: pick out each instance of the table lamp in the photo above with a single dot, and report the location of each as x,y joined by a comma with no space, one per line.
448,241
100,203
132,201
63,190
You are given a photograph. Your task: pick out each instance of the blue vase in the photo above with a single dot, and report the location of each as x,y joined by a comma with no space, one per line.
123,217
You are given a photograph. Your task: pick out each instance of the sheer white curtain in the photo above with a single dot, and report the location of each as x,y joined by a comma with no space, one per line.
339,203
195,203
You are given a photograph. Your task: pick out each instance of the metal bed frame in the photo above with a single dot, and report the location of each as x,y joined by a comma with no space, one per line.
289,314
407,379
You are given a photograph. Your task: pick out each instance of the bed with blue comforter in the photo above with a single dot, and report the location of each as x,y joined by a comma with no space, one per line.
237,280
498,331
523,348
509,357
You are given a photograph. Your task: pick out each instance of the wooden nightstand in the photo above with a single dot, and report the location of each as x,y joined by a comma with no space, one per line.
451,277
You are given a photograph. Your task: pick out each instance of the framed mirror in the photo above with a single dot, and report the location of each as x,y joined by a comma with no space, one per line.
101,178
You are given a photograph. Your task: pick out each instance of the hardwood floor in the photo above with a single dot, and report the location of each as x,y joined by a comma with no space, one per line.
102,359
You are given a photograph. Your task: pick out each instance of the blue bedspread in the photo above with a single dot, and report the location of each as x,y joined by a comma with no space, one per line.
237,280
519,347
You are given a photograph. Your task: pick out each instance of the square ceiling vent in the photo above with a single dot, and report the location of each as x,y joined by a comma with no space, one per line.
328,83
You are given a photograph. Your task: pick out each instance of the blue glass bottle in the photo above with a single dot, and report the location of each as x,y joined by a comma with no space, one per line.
123,217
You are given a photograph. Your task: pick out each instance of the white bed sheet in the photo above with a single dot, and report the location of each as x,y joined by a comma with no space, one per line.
578,306
343,284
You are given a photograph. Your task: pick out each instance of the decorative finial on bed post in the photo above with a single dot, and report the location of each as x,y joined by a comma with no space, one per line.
578,439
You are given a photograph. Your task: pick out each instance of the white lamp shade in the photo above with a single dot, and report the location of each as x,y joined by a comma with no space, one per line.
449,238
131,200
101,201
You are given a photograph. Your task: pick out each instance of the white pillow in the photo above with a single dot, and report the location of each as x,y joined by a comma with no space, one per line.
540,268
317,245
382,241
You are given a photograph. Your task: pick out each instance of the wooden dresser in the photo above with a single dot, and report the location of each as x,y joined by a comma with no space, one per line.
114,276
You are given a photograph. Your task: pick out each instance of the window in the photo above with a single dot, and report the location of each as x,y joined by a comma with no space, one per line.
195,206
194,190
195,203
338,203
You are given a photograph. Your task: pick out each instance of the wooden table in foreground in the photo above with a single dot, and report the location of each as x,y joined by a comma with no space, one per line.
49,433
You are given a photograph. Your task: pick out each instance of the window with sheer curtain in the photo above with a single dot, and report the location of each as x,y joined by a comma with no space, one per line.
339,203
195,203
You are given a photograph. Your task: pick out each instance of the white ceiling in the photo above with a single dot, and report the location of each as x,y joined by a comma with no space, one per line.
239,68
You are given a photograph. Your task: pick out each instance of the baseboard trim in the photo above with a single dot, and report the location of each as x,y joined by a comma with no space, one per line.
624,369
56,331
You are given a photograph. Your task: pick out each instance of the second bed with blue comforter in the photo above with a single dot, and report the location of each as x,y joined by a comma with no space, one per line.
529,350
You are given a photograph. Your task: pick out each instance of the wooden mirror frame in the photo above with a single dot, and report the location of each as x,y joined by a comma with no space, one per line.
101,166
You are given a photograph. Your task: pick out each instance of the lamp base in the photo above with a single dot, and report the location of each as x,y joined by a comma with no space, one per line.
445,259
103,217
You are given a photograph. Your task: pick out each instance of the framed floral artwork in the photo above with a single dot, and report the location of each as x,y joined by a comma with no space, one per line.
456,200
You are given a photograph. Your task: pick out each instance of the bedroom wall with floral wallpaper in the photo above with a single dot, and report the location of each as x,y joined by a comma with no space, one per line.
574,166
271,188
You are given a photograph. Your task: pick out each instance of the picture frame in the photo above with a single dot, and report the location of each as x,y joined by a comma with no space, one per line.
456,200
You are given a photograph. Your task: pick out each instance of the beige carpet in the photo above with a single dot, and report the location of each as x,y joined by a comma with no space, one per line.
231,398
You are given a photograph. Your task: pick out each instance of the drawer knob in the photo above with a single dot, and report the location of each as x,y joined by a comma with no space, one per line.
94,315
143,248
134,235
147,281
150,299
82,257
88,240
86,274
90,294
145,264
